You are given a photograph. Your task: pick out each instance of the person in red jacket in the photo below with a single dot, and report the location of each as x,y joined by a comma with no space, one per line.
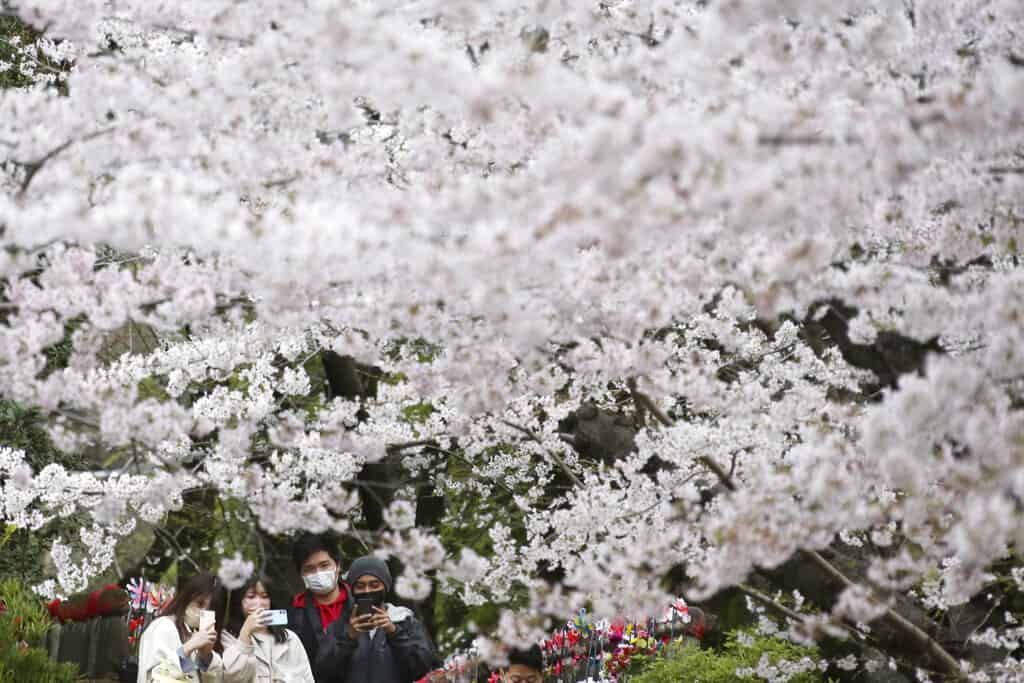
325,597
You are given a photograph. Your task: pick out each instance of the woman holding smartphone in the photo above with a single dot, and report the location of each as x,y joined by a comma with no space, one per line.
182,644
257,646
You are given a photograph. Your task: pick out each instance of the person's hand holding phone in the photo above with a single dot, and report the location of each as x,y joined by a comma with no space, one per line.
361,620
256,620
380,619
207,626
201,641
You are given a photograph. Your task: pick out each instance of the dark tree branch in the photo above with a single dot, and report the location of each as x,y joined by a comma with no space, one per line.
949,665
33,167
641,407
554,456
771,604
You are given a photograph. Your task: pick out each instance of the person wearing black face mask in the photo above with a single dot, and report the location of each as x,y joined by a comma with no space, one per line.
374,641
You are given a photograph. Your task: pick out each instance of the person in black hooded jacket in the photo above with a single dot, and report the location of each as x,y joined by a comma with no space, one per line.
386,645
325,599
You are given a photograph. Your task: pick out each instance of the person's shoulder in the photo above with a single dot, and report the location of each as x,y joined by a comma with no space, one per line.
164,623
161,626
293,644
227,638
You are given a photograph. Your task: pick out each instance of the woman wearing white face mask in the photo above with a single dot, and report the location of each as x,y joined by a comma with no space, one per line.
255,652
325,598
179,646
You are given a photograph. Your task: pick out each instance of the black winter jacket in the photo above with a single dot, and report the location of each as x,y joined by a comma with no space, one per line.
403,657
305,621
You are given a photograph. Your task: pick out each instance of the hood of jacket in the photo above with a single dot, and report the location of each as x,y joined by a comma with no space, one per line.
398,613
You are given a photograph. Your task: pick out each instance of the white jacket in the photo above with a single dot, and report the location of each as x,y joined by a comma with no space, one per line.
159,661
266,660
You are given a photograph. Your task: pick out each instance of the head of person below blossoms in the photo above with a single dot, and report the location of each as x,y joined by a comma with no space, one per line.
524,666
201,592
252,596
318,561
370,577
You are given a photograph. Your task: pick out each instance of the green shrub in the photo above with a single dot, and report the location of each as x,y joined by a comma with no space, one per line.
692,663
23,625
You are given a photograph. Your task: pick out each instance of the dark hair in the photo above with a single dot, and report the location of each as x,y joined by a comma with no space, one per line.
197,587
236,617
307,544
531,658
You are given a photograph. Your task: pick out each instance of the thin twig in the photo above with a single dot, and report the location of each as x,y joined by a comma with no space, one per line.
254,530
722,475
767,601
982,622
708,461
168,537
554,456
78,418
641,408
454,454
660,414
33,167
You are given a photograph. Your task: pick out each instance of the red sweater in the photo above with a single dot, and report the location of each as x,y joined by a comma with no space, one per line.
330,612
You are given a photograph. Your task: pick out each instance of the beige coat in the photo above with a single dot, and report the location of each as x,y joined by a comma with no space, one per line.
158,657
266,660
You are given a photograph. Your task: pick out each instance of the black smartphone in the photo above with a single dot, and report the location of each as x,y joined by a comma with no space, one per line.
364,606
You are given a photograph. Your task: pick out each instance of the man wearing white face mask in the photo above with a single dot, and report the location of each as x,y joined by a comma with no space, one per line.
325,597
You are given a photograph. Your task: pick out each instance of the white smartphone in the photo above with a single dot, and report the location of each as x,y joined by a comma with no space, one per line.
207,617
276,617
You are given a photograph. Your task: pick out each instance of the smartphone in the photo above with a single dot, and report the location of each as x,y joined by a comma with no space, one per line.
207,617
276,617
364,606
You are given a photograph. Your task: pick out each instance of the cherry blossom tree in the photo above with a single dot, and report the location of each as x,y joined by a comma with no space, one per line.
691,288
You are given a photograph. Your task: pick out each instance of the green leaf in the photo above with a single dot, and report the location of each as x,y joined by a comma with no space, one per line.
8,533
418,412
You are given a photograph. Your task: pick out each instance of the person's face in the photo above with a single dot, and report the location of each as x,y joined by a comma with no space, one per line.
201,602
319,561
367,584
255,598
519,673
198,604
